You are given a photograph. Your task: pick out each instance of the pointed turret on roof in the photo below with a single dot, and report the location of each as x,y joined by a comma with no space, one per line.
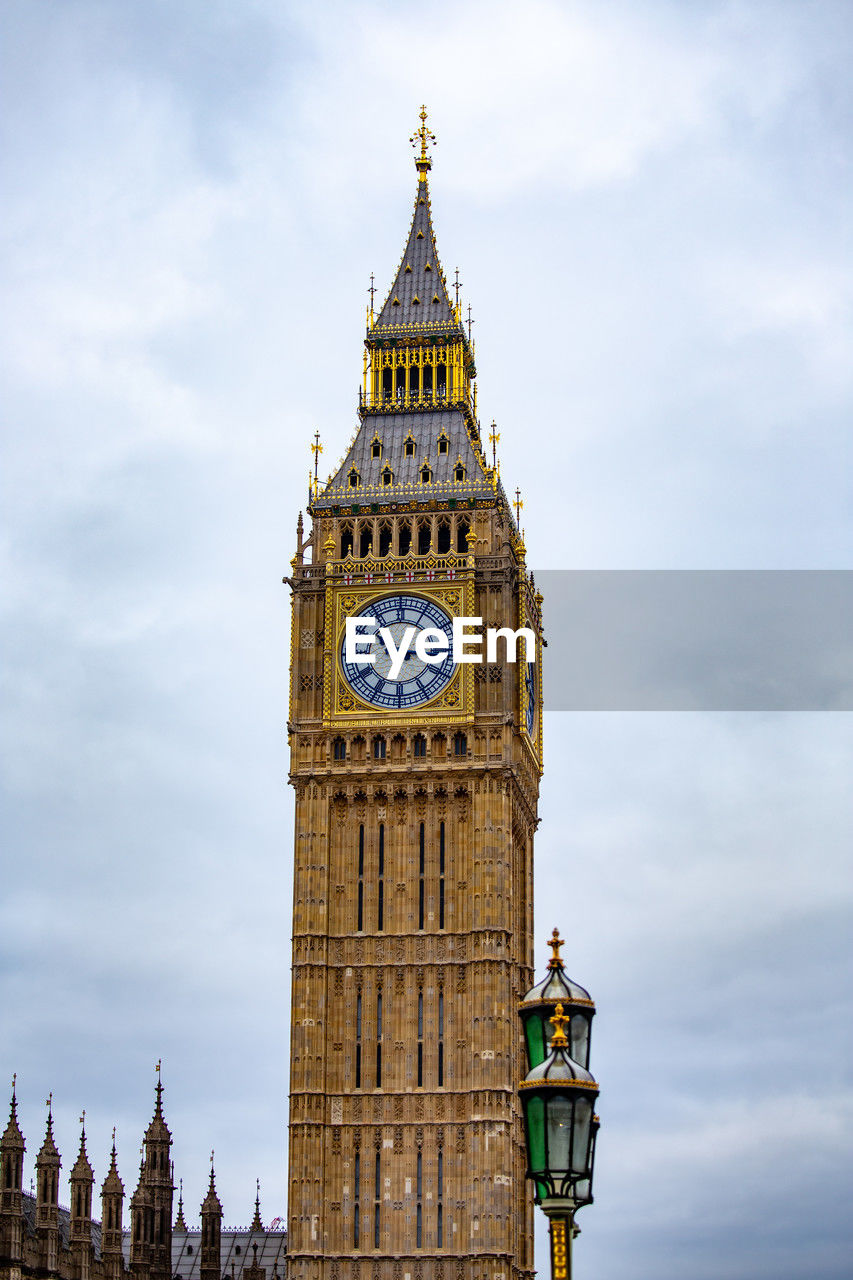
82,1179
12,1147
419,436
82,1168
180,1224
112,1199
13,1139
419,294
158,1130
257,1225
112,1182
211,1231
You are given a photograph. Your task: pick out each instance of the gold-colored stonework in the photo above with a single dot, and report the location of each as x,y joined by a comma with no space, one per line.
413,867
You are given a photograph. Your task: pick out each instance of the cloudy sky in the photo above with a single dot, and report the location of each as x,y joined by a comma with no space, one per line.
649,205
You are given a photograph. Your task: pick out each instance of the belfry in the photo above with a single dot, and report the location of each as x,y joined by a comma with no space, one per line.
416,806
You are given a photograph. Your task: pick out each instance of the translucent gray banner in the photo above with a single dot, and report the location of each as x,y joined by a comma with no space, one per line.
699,640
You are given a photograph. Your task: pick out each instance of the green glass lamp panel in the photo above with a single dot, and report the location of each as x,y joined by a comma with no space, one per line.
535,1116
535,1040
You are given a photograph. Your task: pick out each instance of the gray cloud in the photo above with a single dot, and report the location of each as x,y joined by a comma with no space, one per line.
649,213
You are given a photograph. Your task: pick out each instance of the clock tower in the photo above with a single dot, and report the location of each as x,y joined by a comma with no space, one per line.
416,804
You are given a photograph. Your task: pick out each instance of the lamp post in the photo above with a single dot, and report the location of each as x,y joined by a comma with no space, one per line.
558,1105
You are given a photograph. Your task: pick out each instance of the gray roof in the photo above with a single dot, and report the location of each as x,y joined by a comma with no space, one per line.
419,276
392,430
237,1254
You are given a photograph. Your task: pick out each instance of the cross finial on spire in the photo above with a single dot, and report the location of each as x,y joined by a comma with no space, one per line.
457,285
423,136
558,1022
518,504
317,449
48,1102
494,437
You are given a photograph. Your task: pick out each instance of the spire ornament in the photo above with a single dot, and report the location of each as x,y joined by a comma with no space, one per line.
257,1225
555,942
494,437
423,163
559,1022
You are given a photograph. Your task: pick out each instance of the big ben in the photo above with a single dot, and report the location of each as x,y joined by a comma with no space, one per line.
416,804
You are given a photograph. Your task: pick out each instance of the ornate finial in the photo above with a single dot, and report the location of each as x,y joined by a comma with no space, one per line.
519,506
555,942
559,1021
316,449
371,291
470,322
423,136
48,1102
180,1224
83,1118
457,285
494,437
257,1225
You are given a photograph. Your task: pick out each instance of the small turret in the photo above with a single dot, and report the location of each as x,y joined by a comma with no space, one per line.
12,1147
48,1164
157,1176
112,1198
257,1225
211,1231
140,1224
82,1180
180,1225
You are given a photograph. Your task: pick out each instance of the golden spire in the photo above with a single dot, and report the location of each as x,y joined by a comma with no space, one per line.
559,1022
555,942
423,136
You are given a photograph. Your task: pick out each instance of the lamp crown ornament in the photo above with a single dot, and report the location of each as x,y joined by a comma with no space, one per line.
559,1022
555,942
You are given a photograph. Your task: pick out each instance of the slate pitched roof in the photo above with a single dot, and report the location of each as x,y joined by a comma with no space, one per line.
419,292
392,431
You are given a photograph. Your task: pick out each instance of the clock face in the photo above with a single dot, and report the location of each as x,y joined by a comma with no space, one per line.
417,681
530,690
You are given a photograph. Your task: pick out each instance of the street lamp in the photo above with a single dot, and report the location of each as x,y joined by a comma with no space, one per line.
541,1001
558,1104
